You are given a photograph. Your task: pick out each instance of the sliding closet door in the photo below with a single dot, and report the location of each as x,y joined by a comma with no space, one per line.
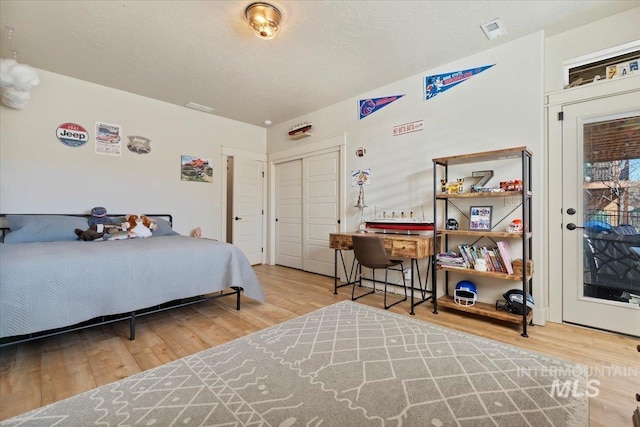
307,210
321,183
288,234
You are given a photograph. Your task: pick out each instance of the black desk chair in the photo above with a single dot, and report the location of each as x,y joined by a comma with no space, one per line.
369,252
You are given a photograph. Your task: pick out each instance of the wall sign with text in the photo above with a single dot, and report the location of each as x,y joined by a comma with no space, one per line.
72,134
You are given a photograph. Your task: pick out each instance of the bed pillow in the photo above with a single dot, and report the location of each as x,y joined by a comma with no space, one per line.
43,228
164,228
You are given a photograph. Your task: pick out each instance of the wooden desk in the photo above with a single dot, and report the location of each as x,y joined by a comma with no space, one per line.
414,247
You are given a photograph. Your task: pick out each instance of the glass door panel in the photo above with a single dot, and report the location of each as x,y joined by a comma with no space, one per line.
601,213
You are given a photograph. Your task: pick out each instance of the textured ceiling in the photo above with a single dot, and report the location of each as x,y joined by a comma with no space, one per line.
326,52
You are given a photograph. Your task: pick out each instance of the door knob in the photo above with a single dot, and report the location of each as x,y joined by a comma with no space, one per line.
572,226
237,218
571,211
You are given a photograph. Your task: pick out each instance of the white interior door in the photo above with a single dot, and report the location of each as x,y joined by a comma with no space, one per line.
288,183
321,180
247,207
601,190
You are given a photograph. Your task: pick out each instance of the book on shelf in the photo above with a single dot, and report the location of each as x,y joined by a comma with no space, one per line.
492,256
467,257
496,251
505,254
494,260
450,259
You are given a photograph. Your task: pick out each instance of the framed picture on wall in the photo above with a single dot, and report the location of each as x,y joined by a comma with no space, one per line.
480,218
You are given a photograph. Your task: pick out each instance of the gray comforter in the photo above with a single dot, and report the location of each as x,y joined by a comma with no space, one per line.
55,284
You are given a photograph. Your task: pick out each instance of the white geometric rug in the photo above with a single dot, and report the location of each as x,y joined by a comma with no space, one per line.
344,365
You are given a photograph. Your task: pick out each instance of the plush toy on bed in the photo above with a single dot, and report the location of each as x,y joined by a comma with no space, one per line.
139,225
92,233
98,216
101,226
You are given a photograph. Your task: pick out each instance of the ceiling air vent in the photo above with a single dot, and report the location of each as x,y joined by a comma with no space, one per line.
198,107
494,29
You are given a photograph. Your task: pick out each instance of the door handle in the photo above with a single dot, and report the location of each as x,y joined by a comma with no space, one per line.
572,226
237,218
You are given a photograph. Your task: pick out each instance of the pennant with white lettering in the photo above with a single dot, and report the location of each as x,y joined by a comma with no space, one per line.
369,106
439,83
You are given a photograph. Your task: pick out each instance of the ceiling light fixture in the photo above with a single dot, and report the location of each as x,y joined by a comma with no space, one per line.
264,19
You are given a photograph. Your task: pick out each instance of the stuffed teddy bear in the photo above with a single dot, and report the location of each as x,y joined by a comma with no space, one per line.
139,226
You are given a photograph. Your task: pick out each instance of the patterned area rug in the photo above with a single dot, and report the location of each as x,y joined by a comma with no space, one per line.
344,365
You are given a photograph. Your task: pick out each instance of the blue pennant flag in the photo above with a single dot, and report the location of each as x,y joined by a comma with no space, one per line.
439,83
368,106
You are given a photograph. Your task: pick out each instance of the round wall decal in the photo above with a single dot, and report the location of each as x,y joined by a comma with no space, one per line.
72,134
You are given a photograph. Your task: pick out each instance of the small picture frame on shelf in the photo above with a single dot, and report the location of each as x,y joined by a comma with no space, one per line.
480,218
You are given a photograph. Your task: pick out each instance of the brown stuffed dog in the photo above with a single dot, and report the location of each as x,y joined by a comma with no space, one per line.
139,225
96,232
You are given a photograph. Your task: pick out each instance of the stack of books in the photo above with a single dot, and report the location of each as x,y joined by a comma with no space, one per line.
497,258
450,259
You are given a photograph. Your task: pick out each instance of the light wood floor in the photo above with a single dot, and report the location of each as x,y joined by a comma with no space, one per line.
45,371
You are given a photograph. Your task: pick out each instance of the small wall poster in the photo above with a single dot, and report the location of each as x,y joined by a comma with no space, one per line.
72,134
108,140
369,106
438,83
139,144
196,169
360,177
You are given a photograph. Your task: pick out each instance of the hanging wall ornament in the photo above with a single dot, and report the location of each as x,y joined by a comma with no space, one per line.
72,134
16,80
139,144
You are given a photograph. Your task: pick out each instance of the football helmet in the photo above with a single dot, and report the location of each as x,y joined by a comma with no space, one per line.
515,226
465,293
451,224
515,303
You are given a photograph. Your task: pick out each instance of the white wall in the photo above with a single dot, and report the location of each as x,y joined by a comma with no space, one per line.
499,108
38,174
612,31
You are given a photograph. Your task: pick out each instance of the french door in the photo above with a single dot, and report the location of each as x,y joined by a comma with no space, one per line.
601,213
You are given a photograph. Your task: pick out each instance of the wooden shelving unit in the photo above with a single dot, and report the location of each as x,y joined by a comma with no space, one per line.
482,309
441,166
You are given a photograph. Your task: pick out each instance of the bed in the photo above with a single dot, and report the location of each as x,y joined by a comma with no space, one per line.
50,282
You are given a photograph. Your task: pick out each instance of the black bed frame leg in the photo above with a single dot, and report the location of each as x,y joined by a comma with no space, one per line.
237,298
132,326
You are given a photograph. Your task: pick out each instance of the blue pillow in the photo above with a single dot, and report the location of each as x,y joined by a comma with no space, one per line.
44,228
164,228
